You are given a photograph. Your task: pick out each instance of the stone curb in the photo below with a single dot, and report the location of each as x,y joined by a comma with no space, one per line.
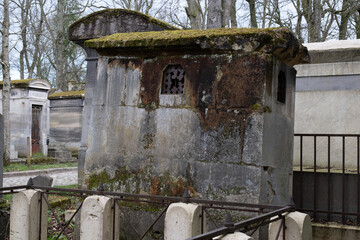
39,172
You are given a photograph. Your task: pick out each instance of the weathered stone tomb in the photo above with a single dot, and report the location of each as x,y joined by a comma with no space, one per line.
66,116
207,110
29,116
95,25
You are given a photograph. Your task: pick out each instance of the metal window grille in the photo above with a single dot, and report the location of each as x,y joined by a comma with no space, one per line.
173,80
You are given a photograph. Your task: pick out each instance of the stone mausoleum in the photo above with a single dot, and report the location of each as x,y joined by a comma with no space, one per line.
29,116
208,110
66,116
95,25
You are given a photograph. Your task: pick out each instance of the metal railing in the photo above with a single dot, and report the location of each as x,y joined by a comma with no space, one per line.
263,212
328,191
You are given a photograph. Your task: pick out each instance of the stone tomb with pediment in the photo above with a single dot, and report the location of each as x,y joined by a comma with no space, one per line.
29,116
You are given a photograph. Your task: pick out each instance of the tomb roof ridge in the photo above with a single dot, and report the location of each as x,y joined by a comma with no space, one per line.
68,95
114,12
281,42
26,82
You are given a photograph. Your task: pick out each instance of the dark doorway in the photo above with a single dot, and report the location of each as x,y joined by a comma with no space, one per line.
35,128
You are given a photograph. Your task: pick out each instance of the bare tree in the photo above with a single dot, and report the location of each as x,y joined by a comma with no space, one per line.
253,21
5,63
143,6
195,14
59,50
211,14
25,8
215,14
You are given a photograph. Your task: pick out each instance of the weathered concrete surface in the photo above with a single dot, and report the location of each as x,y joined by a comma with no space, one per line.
327,92
334,51
298,227
334,231
334,112
66,117
25,216
99,24
110,21
229,139
182,221
328,69
25,94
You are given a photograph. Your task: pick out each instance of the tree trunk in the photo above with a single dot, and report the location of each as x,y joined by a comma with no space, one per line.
225,19
194,13
228,16
25,7
253,21
346,11
37,52
215,13
233,14
316,22
59,58
6,81
357,23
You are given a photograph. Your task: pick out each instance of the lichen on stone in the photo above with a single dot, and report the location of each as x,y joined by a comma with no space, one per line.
280,42
68,95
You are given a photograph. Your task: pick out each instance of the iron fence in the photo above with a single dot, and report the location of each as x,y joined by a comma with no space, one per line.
327,177
262,214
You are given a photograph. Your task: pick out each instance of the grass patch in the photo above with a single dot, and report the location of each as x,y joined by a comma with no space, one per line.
14,167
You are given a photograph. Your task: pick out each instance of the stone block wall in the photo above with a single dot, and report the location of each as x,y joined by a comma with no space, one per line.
228,135
66,116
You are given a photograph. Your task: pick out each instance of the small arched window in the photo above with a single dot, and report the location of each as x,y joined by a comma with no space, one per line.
173,80
281,94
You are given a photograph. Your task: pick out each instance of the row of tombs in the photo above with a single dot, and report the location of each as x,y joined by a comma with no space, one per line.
208,110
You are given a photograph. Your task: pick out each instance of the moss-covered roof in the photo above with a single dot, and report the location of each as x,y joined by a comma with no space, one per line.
68,95
244,40
20,83
179,37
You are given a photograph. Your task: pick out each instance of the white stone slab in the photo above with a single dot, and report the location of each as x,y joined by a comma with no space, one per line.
182,221
298,227
25,216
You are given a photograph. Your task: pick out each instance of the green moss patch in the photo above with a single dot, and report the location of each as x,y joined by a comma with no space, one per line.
280,42
141,181
68,95
21,83
183,37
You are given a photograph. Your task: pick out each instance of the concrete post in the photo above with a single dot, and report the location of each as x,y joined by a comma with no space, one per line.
235,236
97,219
27,216
182,221
298,227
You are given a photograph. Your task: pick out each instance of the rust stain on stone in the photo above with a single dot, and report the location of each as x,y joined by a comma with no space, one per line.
125,63
154,187
222,89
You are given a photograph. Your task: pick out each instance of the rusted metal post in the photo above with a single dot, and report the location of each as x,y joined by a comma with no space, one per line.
28,159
